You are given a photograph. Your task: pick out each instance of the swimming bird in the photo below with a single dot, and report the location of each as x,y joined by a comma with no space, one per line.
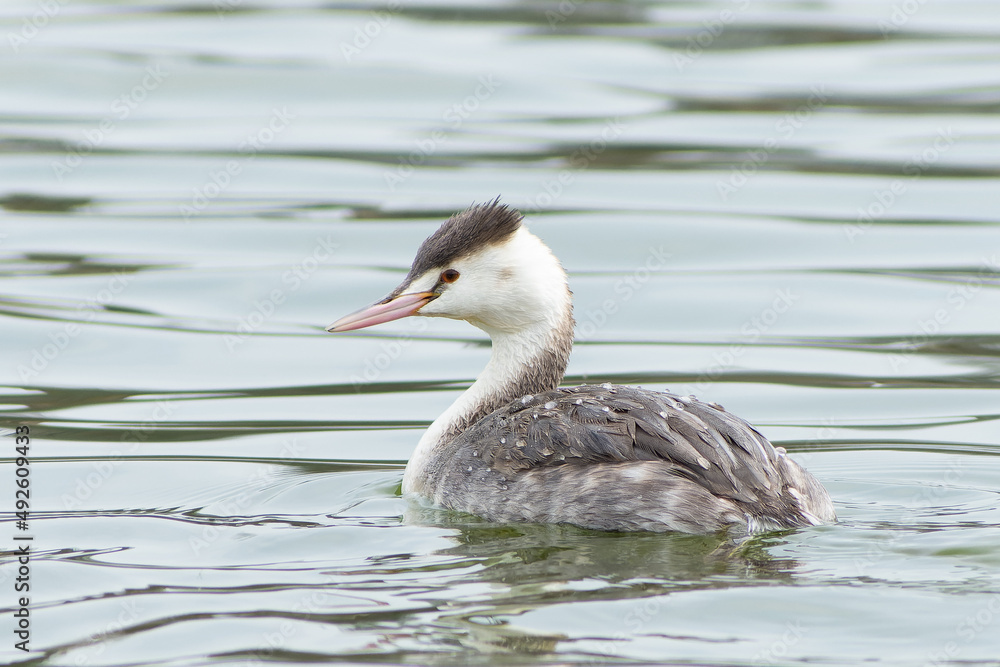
516,447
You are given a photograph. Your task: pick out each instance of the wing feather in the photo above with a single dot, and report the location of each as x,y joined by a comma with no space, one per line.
601,424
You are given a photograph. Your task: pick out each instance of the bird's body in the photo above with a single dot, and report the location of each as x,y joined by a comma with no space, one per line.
619,458
515,447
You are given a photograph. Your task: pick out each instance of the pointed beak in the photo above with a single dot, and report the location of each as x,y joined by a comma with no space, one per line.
387,310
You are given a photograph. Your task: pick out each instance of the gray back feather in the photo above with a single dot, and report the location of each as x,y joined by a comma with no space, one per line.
712,455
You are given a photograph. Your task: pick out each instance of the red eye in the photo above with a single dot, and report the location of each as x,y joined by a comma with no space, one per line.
449,275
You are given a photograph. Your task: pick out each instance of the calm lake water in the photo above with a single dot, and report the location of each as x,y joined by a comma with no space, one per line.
791,208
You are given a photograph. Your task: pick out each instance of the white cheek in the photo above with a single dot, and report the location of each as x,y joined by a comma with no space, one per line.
439,307
501,288
459,300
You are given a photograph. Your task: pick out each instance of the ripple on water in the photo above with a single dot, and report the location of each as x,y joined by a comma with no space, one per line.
215,475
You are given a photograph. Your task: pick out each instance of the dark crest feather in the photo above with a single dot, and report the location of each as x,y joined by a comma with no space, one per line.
464,233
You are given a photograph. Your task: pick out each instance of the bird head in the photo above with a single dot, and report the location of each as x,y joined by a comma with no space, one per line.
482,266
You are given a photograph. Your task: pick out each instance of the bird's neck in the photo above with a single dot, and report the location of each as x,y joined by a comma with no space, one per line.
529,361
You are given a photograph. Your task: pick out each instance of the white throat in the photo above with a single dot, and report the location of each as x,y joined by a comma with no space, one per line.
522,363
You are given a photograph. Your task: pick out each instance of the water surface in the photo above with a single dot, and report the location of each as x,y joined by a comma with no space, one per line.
788,208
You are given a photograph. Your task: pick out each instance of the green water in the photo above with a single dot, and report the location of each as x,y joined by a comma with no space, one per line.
787,208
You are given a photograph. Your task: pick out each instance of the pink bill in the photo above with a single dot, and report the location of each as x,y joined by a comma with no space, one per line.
402,306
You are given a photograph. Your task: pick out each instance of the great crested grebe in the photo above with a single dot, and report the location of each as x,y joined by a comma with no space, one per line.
516,447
